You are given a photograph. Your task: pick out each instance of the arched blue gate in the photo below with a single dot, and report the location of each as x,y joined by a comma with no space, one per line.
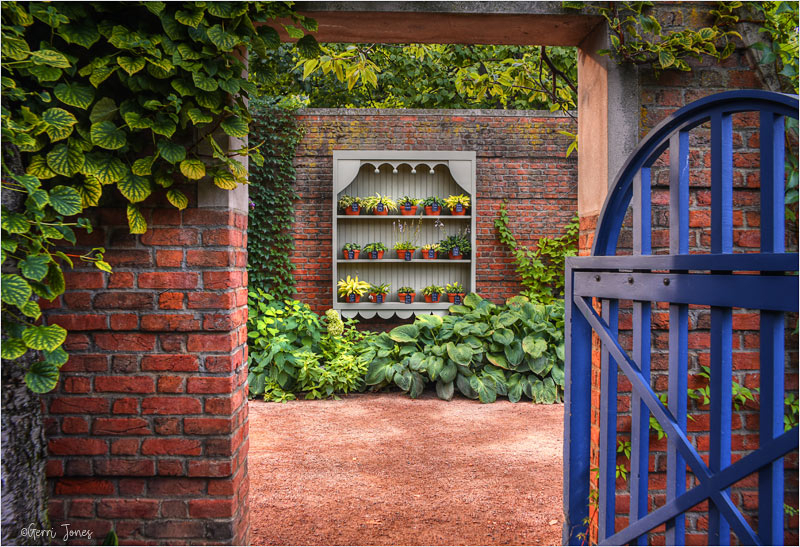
729,281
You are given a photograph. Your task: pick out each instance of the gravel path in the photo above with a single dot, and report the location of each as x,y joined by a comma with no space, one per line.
383,469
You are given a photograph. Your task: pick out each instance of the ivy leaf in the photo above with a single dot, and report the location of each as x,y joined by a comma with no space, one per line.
50,57
38,168
665,58
90,191
177,198
105,109
65,160
73,94
14,290
136,222
13,348
221,38
193,169
131,65
106,168
106,135
134,187
66,200
34,266
42,377
31,309
170,151
58,123
189,18
224,179
235,127
15,223
198,116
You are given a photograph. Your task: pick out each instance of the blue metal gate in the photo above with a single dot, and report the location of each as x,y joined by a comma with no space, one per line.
751,280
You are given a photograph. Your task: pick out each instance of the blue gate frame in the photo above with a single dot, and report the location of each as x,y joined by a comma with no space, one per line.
644,278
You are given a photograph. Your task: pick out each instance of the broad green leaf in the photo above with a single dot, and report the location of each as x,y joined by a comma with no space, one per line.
429,321
66,200
204,82
13,348
135,120
226,10
101,74
83,34
142,166
498,360
463,385
134,187
31,309
44,337
34,266
211,100
162,125
514,353
503,336
106,168
308,47
57,357
106,135
131,65
230,86
163,178
445,390
402,379
190,18
15,223
221,38
404,333
472,300
14,290
177,198
73,94
136,222
460,353
198,116
65,160
376,373
484,387
448,372
46,73
235,127
170,151
90,190
270,36
50,57
182,87
665,58
534,346
193,169
42,377
39,169
58,123
224,179
104,110
16,48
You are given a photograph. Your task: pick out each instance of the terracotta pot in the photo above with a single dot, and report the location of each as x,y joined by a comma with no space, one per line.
352,298
429,210
456,298
433,298
407,211
351,211
430,254
456,212
404,254
454,256
351,255
374,255
377,298
385,210
406,297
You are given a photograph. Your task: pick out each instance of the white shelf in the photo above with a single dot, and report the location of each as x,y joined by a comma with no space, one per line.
407,217
400,260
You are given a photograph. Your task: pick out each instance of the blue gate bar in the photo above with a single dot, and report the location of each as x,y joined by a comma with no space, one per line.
765,262
608,428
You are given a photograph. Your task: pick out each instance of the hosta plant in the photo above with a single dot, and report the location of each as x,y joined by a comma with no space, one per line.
371,203
352,285
460,199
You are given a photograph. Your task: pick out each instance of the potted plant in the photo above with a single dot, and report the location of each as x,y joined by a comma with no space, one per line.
405,250
433,293
351,205
377,293
379,205
351,251
352,289
429,251
456,247
408,206
406,295
374,250
457,204
433,205
455,292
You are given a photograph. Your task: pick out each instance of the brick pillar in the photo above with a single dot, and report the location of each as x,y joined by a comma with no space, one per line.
147,429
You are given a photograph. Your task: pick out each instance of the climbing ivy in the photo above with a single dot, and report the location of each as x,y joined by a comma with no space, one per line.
269,240
112,99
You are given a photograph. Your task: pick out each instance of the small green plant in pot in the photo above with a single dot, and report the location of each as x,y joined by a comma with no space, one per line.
433,293
351,251
433,205
374,250
457,204
408,206
405,250
456,247
406,238
377,293
350,204
352,289
455,292
429,251
406,295
379,205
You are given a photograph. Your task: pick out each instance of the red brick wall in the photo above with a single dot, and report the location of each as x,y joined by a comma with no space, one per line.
147,429
520,158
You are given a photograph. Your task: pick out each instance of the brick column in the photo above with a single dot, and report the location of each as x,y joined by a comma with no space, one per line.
148,429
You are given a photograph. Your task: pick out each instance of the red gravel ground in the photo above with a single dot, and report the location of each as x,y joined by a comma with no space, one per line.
383,469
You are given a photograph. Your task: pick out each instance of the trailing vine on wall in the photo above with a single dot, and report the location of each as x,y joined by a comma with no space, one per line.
120,100
269,239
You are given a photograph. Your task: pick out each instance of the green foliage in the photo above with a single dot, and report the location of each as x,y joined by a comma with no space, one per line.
541,269
291,352
792,409
780,48
269,240
482,349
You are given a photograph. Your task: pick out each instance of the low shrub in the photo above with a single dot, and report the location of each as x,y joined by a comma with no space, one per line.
481,348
